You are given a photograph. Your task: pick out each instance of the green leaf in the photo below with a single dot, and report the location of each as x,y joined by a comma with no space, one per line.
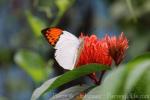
110,85
135,70
121,80
39,91
76,73
70,93
147,81
32,63
35,23
69,76
143,87
139,59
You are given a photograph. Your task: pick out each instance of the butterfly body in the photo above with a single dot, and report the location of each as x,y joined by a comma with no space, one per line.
66,45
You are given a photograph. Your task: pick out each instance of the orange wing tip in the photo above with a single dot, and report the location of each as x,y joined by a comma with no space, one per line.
52,34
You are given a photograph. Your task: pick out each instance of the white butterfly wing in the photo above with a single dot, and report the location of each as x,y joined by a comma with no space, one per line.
66,50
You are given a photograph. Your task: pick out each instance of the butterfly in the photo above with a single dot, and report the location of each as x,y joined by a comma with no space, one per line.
67,46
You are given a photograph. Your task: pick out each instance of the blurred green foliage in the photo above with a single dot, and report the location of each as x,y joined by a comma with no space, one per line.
5,56
35,23
132,17
62,6
47,6
33,64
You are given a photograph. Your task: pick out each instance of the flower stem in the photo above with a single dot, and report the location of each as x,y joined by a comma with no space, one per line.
101,76
94,78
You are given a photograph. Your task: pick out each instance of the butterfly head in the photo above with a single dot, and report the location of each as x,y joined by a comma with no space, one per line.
52,34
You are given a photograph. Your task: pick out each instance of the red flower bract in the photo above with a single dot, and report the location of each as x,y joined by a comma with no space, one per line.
117,47
94,51
102,51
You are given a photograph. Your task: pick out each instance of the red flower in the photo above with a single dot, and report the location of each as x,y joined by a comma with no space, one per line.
102,51
117,47
94,51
